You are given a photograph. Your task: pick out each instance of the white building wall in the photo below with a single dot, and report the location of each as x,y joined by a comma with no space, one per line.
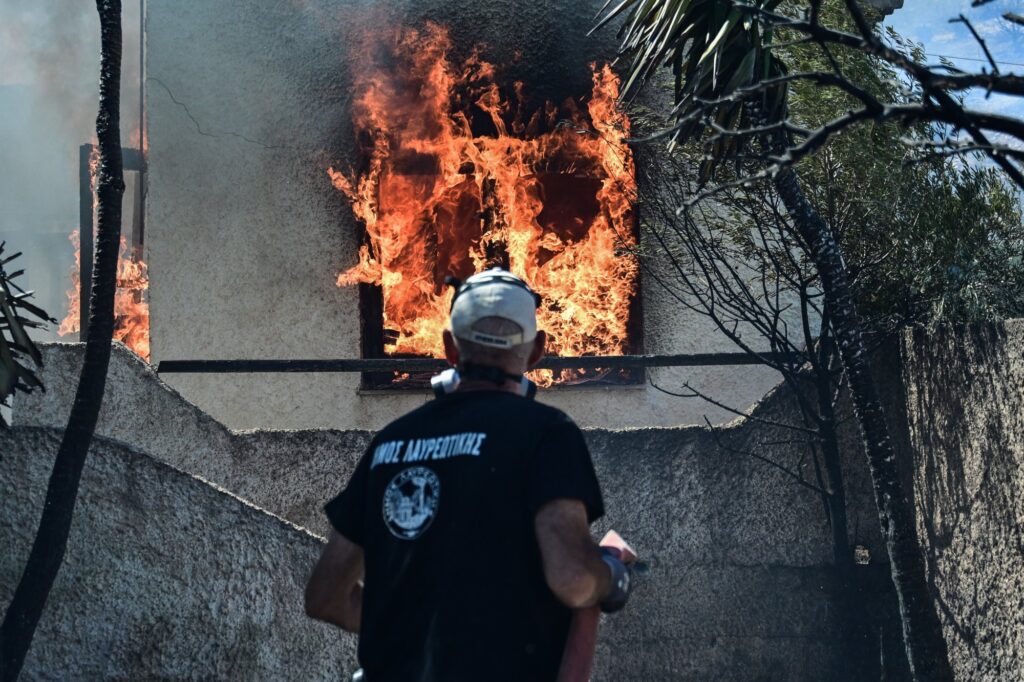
245,236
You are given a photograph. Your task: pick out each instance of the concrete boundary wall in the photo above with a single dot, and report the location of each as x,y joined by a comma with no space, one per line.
692,481
165,576
288,473
739,583
739,553
965,390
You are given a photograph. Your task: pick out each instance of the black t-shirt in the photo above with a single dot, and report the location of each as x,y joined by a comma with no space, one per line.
443,504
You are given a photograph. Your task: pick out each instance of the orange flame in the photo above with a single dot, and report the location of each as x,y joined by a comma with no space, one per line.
549,196
131,310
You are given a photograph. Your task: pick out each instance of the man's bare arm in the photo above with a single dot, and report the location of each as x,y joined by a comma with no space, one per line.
333,593
572,561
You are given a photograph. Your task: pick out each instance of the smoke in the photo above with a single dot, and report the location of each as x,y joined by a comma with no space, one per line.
49,71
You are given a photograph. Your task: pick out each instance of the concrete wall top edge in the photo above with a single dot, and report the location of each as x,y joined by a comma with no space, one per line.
133,386
165,577
291,473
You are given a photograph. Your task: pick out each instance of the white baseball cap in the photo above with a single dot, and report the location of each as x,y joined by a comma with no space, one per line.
494,293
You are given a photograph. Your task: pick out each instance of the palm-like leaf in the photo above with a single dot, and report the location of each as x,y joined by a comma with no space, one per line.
714,49
17,351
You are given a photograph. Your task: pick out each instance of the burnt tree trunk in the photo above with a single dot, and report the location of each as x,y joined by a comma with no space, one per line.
922,632
856,662
50,543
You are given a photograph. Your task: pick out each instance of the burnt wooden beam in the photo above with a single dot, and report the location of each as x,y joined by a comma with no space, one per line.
436,364
132,160
85,230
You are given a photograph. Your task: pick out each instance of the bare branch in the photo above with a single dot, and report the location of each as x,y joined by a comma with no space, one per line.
694,393
793,475
984,46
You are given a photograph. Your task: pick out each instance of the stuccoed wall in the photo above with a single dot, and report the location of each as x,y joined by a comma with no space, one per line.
740,584
705,478
245,235
965,404
165,577
738,587
289,473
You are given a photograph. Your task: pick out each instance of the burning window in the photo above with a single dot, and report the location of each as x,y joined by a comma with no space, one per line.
458,174
131,308
131,305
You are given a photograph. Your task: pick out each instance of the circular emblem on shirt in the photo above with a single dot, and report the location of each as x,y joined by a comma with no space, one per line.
410,502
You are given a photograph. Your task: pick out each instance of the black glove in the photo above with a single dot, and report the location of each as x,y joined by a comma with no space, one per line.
622,581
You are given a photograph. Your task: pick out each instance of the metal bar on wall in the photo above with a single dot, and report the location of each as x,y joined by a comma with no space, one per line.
436,365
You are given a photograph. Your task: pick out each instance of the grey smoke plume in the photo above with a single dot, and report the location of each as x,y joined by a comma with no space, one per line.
49,69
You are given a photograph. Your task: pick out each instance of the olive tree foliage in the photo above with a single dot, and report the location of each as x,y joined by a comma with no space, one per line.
925,242
929,238
736,82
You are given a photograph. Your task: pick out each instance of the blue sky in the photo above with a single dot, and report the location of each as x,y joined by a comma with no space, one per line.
927,22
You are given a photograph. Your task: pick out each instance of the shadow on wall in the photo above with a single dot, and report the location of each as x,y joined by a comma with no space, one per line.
965,404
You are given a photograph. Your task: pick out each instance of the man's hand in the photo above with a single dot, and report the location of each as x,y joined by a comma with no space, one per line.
334,594
572,561
619,558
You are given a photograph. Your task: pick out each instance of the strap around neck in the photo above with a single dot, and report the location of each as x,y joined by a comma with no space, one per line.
495,375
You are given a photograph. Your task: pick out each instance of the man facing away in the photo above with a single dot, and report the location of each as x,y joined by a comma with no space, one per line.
462,542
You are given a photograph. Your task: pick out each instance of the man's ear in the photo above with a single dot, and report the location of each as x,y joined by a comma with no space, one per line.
538,349
451,351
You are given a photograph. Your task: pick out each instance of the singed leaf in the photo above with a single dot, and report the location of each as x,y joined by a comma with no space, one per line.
722,32
744,72
18,333
33,309
15,344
